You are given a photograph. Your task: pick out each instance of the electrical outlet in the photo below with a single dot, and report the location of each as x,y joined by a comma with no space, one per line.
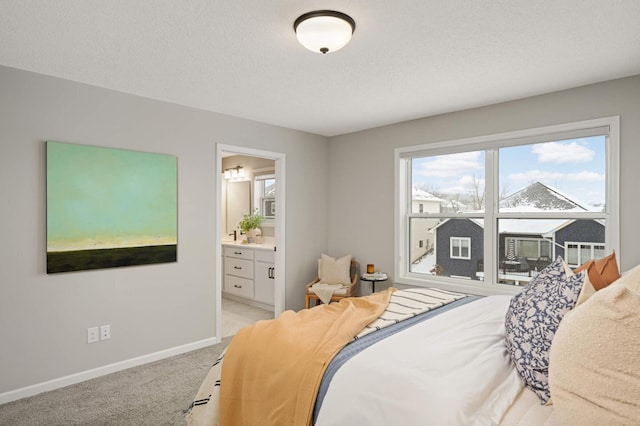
93,334
105,332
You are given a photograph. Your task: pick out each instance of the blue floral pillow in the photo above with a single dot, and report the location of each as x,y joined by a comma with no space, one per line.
532,320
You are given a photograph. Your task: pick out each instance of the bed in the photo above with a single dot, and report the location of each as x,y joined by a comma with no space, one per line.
450,363
451,369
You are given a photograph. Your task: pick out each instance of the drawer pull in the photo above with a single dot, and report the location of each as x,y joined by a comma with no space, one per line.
237,286
237,252
237,267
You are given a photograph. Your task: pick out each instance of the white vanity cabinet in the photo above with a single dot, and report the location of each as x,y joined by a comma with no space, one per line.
264,276
249,274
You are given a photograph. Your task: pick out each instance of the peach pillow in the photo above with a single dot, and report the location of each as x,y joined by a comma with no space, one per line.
602,272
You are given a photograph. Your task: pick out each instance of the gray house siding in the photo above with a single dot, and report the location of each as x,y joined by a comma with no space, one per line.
463,228
584,230
580,231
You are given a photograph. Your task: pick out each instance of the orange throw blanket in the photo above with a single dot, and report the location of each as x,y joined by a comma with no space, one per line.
272,370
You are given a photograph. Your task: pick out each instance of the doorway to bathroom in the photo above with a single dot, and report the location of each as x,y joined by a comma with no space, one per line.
251,182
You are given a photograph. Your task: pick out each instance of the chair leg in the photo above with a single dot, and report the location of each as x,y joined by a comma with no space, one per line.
306,302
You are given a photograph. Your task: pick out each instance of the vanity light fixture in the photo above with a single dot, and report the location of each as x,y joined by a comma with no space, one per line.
234,172
324,31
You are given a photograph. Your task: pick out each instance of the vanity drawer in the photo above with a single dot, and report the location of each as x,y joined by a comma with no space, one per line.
238,252
241,287
238,267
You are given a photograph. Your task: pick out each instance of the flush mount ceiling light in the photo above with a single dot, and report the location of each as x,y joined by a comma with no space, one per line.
324,31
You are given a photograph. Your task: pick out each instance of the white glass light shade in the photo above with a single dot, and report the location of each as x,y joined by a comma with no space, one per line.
234,172
324,31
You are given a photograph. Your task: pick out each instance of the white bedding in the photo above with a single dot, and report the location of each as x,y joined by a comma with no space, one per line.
526,410
452,369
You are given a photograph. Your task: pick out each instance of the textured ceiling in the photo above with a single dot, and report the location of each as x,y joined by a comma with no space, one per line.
407,59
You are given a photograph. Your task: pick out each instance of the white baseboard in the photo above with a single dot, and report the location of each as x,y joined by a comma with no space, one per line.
49,385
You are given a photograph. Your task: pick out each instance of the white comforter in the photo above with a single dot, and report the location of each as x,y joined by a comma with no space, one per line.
450,370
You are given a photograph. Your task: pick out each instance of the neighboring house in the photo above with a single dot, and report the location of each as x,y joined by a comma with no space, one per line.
421,235
525,246
425,202
459,246
578,241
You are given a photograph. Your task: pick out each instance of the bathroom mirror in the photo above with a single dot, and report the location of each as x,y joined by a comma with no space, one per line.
238,202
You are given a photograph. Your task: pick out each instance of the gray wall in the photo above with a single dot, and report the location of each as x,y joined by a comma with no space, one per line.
361,212
44,318
339,200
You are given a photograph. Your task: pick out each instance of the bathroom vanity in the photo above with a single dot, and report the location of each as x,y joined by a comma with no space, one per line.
248,274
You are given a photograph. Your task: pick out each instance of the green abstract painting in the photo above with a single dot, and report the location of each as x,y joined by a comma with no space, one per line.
109,207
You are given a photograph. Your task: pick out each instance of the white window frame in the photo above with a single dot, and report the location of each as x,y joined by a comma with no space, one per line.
459,240
609,126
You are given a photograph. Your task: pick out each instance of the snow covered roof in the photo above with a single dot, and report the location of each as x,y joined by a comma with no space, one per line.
422,195
522,226
534,198
530,226
539,197
543,227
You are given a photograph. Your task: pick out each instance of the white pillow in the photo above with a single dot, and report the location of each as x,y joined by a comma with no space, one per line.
594,361
334,271
587,288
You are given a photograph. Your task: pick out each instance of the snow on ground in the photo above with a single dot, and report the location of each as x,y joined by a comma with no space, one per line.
426,264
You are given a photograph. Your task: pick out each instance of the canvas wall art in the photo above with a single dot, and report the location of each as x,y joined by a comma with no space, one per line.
109,207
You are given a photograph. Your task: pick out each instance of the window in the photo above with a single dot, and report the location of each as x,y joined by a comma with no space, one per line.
265,195
460,247
502,207
579,253
529,247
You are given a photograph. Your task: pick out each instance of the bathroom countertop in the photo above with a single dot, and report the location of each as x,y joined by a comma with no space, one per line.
259,246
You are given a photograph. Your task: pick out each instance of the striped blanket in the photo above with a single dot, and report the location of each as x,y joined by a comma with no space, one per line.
403,304
408,303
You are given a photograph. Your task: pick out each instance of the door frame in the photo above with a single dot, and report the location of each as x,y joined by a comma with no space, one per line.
280,172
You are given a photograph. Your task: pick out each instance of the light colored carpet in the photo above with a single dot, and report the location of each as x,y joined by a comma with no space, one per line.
151,394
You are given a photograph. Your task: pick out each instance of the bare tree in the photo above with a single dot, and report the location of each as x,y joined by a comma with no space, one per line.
505,189
477,193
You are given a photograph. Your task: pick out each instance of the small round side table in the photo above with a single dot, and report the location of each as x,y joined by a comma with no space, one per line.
374,280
